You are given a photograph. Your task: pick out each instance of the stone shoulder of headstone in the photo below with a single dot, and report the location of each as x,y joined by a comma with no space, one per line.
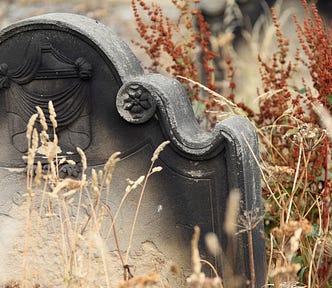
142,97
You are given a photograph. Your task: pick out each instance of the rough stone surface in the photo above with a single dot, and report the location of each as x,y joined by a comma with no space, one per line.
121,109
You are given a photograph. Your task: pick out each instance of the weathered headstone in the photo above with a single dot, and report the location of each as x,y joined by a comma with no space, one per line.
105,103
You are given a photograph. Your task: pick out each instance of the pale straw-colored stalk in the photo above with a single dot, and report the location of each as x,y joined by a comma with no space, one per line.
154,158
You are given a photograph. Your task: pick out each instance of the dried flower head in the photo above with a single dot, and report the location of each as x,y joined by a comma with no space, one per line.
159,149
83,158
52,115
291,227
30,126
110,166
38,173
232,213
212,244
42,118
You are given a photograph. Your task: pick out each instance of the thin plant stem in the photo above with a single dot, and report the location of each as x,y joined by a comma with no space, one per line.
115,236
93,212
270,260
43,197
90,216
312,263
63,242
117,213
78,208
295,182
313,255
251,258
306,160
327,185
316,203
151,171
233,107
213,269
136,213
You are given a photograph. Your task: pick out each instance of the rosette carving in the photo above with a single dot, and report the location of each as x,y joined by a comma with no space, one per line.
135,104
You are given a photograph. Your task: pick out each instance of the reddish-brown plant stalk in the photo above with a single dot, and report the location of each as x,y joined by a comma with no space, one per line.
177,42
316,41
288,124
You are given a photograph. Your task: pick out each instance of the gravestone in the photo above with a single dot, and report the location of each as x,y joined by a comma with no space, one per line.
104,104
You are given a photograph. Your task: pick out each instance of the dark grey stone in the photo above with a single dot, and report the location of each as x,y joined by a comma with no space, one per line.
105,103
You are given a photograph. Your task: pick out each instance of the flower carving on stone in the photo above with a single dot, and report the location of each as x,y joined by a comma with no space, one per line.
137,101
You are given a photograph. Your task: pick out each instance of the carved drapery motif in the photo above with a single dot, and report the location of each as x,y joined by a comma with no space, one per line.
68,103
47,75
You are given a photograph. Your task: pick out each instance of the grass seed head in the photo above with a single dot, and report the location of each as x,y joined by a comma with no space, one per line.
39,174
52,114
212,244
159,149
232,213
30,126
83,158
42,118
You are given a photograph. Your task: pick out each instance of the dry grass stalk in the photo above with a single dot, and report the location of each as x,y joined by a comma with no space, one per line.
295,147
232,213
151,171
212,244
80,233
52,116
198,279
195,258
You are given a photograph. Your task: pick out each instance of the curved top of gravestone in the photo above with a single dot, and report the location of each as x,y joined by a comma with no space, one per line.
79,64
125,62
68,40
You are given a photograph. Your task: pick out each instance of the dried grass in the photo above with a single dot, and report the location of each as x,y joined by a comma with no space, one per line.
292,239
78,232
